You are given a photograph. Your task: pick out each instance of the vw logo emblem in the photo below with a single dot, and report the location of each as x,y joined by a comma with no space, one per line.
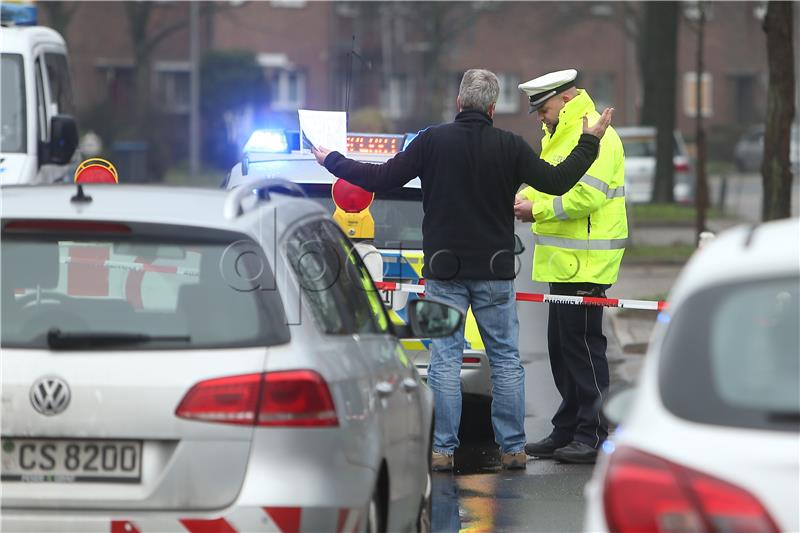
50,395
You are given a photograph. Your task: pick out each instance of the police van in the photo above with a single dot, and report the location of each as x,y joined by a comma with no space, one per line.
38,135
390,221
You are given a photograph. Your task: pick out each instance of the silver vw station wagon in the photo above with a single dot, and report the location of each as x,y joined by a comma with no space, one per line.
199,360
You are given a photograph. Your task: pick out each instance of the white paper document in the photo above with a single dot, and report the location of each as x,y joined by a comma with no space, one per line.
327,129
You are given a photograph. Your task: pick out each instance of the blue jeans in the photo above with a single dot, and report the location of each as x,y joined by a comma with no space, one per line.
495,309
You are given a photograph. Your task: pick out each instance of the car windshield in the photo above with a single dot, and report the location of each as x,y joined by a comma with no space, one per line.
397,213
730,356
12,107
77,292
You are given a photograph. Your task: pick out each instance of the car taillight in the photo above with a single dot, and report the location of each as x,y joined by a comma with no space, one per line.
290,398
643,492
471,359
681,166
230,400
296,398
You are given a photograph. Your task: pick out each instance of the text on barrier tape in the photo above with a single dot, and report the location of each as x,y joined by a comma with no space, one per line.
546,298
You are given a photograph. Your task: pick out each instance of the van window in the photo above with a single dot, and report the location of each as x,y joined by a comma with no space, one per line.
41,110
60,84
13,129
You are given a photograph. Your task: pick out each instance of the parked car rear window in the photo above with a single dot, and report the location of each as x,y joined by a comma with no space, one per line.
180,294
639,146
645,145
730,356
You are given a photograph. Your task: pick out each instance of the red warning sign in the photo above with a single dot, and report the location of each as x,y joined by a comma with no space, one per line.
96,170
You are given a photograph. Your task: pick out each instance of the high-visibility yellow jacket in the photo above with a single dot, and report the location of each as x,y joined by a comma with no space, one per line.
580,236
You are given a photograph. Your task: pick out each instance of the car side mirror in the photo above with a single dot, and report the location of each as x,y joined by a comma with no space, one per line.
63,139
429,320
518,246
618,405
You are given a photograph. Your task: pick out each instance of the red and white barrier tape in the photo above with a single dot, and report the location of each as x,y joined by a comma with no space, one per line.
650,305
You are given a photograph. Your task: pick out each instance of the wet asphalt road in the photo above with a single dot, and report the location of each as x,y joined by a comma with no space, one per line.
547,496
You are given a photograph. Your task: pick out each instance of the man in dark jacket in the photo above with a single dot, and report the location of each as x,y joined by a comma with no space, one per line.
470,172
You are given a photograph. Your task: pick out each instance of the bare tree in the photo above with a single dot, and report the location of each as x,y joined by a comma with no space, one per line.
58,14
147,32
658,62
429,36
775,171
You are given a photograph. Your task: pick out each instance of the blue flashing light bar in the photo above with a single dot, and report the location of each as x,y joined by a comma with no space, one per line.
277,141
18,14
267,141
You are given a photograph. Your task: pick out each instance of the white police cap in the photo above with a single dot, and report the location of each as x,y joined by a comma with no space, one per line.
540,89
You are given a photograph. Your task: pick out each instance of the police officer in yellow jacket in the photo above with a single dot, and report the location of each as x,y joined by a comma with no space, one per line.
580,239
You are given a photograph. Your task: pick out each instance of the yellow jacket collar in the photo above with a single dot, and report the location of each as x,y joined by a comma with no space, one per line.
573,111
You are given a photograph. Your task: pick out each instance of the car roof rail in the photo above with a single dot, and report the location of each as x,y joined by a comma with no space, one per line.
261,188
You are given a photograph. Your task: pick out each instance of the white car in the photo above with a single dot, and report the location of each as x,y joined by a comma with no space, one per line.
749,150
639,144
711,437
179,359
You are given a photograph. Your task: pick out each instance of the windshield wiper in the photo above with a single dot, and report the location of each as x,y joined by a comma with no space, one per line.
58,340
784,417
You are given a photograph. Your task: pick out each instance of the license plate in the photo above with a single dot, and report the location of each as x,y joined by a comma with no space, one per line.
388,298
66,461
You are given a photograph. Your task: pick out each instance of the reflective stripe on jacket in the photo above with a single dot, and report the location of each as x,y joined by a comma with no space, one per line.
580,236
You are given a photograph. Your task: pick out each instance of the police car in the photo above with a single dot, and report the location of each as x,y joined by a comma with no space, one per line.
390,221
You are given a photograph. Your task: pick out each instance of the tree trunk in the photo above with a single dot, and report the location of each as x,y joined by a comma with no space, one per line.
775,170
659,72
58,15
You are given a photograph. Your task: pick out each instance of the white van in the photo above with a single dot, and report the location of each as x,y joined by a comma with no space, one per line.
38,134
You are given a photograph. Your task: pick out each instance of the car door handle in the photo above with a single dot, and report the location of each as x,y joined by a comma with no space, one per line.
410,384
384,388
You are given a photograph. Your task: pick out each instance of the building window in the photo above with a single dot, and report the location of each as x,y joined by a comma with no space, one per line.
172,86
119,81
508,100
602,90
690,94
398,96
744,102
288,89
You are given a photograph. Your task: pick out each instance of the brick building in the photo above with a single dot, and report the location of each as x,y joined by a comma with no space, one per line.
408,52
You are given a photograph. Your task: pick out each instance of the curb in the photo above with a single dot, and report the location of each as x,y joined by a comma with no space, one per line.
632,332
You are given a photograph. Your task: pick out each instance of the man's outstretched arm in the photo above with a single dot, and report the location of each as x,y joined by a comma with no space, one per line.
399,170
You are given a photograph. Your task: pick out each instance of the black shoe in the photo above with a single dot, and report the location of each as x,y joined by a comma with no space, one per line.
576,452
544,448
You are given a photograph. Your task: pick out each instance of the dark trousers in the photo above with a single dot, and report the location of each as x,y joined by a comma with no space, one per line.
577,349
